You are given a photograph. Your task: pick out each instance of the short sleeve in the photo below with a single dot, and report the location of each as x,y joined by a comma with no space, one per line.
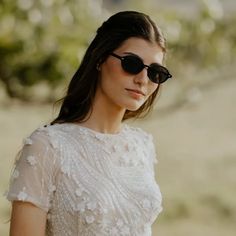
152,150
33,176
147,144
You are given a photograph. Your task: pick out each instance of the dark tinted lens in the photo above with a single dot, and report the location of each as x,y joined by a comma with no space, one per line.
132,64
158,74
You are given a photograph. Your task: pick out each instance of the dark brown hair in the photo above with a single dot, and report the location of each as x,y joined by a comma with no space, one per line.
77,103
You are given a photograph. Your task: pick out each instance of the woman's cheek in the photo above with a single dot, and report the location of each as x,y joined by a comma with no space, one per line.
153,89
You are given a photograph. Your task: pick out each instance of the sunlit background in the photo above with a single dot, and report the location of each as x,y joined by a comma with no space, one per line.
42,43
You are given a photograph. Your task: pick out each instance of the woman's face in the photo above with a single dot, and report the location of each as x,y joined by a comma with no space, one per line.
121,89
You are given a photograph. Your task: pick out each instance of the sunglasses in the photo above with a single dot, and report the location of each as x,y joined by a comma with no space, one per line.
134,65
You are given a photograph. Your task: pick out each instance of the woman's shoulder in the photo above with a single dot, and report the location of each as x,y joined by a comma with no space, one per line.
45,135
49,130
145,141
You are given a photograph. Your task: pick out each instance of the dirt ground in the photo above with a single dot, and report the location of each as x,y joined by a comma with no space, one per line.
196,152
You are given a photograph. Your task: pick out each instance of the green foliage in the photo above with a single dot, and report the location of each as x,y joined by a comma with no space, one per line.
41,41
207,40
44,40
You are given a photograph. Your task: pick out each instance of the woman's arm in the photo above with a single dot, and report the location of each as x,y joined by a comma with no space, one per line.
27,220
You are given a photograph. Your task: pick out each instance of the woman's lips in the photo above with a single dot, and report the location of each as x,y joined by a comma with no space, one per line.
136,93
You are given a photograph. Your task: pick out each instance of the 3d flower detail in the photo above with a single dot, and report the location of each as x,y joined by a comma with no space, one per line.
15,174
22,196
119,223
115,148
89,219
52,188
27,141
78,192
91,205
81,206
65,168
32,160
146,203
103,210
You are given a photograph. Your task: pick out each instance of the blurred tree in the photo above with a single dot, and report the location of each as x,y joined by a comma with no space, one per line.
44,40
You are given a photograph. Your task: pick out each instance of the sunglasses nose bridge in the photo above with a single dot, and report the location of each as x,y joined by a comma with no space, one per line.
142,67
142,75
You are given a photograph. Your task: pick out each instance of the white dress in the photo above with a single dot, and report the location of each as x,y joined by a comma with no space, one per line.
89,183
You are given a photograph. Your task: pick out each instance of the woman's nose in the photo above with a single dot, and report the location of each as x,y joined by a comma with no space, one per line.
141,77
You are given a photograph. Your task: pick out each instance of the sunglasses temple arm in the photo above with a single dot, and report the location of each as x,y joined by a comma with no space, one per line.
117,56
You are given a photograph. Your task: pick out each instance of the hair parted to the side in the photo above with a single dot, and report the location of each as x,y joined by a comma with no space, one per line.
77,104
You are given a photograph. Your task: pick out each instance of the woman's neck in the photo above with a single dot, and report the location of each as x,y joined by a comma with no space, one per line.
105,117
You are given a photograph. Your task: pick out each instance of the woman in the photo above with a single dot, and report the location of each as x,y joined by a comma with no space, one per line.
88,173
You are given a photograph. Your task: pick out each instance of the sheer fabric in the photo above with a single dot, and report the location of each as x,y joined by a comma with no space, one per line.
89,183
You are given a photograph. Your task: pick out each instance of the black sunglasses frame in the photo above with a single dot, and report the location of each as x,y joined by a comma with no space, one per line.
156,73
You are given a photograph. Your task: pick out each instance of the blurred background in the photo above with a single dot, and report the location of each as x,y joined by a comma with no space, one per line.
41,45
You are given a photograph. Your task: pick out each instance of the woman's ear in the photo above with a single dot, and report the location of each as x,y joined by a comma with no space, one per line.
98,67
101,60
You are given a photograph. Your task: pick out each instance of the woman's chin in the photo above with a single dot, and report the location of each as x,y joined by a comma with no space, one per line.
134,107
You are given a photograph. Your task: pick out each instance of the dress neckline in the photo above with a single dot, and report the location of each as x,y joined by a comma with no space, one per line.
97,133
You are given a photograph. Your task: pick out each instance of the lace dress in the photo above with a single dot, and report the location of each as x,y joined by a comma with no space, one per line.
89,183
